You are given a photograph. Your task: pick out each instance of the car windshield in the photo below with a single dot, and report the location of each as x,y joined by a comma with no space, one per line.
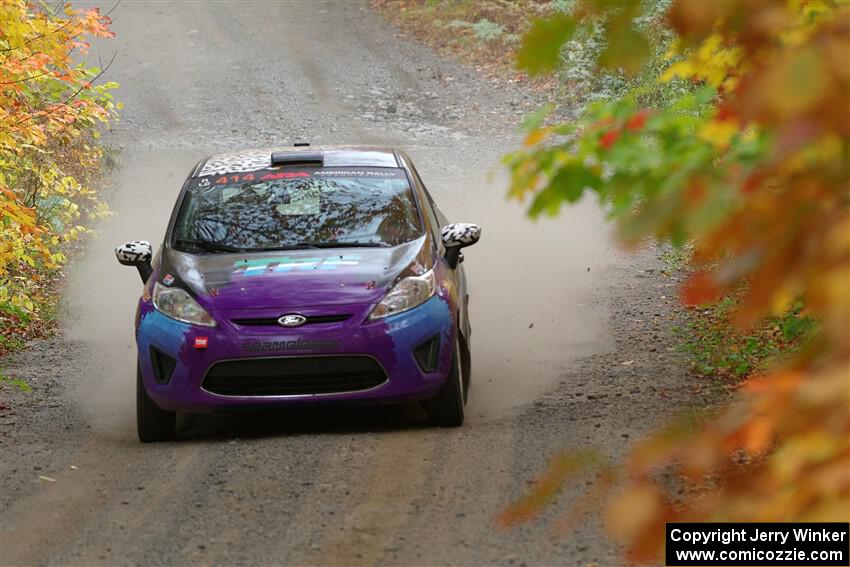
278,210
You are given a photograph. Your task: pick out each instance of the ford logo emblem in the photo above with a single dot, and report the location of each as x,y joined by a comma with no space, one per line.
292,320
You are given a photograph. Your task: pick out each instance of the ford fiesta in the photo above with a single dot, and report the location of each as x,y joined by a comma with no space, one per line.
298,276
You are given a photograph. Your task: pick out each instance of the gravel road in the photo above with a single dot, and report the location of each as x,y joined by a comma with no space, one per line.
571,341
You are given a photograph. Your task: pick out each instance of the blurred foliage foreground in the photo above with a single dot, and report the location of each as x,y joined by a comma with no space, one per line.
749,164
49,112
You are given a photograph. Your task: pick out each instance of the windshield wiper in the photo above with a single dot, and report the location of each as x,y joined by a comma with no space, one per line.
299,246
345,244
209,245
213,246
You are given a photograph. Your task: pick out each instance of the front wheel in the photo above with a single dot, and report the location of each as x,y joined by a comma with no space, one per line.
446,408
152,423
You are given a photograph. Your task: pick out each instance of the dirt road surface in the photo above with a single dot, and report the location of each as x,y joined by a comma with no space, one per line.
570,341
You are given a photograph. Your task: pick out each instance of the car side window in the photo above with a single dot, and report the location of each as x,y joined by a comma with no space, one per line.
430,209
440,216
442,220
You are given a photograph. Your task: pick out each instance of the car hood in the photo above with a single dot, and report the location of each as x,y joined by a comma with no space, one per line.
293,278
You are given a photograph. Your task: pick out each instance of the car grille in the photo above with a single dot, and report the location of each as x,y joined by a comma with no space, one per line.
292,376
311,320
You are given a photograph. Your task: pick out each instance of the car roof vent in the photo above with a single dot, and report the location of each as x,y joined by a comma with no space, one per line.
301,144
297,158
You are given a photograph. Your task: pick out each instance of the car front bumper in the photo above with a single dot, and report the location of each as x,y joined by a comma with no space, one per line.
190,352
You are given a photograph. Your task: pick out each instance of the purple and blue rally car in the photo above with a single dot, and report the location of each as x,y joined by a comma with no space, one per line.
302,275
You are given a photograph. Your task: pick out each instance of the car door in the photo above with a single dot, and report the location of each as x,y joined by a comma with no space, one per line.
436,219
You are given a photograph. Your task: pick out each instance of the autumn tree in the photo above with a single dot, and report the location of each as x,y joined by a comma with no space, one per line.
751,165
50,106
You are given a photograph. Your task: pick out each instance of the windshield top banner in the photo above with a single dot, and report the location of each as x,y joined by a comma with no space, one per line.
293,173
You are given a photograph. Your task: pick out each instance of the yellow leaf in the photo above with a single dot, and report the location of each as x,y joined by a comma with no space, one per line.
680,69
536,136
719,134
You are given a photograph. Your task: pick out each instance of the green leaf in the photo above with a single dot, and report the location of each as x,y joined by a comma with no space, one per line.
569,184
627,49
7,307
541,45
536,118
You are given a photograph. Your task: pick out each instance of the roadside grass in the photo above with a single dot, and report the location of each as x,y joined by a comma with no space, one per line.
483,33
719,352
676,258
17,327
15,382
488,33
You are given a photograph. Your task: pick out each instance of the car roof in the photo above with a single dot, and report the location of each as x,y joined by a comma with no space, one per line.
331,156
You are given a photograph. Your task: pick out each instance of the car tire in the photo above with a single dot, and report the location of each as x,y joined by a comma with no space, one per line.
446,409
152,423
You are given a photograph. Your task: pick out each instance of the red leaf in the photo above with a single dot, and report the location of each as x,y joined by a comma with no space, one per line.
638,121
695,193
609,138
752,183
699,289
725,112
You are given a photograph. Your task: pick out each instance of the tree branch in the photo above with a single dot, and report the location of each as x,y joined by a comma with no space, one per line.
27,78
36,38
70,98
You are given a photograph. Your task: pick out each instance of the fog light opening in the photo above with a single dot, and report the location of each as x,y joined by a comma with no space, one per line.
163,365
427,354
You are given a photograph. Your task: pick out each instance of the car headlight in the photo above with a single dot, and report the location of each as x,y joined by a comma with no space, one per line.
178,304
406,294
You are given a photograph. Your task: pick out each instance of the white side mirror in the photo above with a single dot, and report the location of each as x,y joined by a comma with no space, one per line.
460,234
136,253
456,236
